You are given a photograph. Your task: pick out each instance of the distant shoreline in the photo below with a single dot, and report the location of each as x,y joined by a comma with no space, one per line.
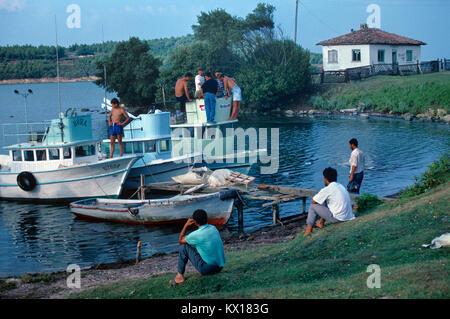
49,80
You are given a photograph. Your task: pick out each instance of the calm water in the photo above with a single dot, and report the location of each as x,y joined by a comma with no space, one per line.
45,238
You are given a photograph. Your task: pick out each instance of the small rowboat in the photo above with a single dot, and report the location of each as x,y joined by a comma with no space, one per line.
177,209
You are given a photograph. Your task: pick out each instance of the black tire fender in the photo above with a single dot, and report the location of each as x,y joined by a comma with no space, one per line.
26,181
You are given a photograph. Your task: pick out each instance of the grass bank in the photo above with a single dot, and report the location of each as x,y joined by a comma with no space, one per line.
332,263
413,94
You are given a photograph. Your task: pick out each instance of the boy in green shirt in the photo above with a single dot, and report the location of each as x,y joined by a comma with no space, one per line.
203,247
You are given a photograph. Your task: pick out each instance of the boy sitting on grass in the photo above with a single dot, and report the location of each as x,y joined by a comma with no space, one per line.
203,247
331,204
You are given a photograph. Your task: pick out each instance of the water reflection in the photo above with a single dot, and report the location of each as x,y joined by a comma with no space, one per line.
36,238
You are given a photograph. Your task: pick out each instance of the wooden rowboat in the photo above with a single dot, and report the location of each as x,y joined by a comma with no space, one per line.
177,209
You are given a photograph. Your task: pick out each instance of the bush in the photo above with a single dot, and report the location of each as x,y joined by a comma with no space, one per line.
438,173
367,202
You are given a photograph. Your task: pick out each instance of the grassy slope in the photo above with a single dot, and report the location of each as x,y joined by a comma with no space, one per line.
331,263
400,94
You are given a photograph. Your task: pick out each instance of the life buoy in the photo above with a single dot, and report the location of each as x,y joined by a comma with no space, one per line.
26,181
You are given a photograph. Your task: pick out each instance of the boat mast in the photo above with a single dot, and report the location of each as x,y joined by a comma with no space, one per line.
61,125
104,67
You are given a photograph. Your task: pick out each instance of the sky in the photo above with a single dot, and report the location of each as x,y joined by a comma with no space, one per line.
33,21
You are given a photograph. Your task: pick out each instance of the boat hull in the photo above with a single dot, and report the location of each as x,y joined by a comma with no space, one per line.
102,179
155,172
155,212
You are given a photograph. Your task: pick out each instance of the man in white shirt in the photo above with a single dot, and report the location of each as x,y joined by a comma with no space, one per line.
199,80
332,203
356,167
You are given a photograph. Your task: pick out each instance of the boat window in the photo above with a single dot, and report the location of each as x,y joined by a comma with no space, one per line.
41,155
150,146
164,146
17,155
84,150
28,156
53,154
67,153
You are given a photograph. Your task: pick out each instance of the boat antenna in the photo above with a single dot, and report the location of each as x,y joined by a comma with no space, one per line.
104,66
61,125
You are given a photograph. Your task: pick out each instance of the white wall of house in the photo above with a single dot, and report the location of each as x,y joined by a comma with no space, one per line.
369,55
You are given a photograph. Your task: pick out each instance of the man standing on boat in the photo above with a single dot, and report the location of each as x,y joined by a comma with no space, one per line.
182,92
230,84
199,80
331,204
220,82
116,125
203,247
209,90
356,167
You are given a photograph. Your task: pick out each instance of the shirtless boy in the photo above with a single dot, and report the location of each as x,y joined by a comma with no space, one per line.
230,84
116,125
182,92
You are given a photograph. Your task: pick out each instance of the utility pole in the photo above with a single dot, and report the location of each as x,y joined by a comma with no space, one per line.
296,16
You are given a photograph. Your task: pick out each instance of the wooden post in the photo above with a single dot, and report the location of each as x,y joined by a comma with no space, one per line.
142,188
240,209
276,213
138,252
304,204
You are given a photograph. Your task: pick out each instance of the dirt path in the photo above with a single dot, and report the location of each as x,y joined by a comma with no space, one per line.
54,286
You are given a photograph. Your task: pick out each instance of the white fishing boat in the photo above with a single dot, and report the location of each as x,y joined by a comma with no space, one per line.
177,209
148,135
217,149
60,163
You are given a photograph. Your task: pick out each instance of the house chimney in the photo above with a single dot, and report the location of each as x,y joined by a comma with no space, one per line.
364,26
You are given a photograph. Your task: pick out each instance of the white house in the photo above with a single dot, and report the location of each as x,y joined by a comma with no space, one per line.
368,46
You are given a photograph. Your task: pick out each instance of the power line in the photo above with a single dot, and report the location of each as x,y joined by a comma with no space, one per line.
320,20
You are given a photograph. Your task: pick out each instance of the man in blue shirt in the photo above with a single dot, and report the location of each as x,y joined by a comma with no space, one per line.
203,247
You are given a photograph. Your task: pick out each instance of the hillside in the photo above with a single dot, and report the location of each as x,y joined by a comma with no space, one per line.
332,263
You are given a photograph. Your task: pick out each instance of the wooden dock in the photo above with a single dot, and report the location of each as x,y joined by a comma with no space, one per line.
271,196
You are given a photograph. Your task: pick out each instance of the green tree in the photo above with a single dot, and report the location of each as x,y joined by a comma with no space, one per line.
132,72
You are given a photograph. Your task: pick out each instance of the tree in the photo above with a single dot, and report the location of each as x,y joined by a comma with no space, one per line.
277,70
132,72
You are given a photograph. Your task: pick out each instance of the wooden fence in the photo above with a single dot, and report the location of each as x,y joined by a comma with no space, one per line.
364,72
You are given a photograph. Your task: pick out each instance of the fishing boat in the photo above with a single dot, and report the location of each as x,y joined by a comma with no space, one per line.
60,163
148,135
211,140
177,209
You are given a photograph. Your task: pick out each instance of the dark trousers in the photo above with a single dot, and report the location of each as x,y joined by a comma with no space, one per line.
182,100
355,185
187,252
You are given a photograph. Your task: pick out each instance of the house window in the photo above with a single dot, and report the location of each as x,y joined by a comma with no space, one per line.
381,56
332,56
409,55
356,55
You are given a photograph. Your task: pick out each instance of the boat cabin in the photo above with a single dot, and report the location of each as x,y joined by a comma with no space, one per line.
148,135
66,142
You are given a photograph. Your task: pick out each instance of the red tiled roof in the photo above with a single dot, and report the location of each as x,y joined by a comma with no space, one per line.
371,36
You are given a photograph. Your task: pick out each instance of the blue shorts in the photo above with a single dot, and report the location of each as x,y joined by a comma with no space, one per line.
115,130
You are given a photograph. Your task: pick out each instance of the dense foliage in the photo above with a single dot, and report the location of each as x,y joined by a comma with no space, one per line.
132,72
269,69
437,174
